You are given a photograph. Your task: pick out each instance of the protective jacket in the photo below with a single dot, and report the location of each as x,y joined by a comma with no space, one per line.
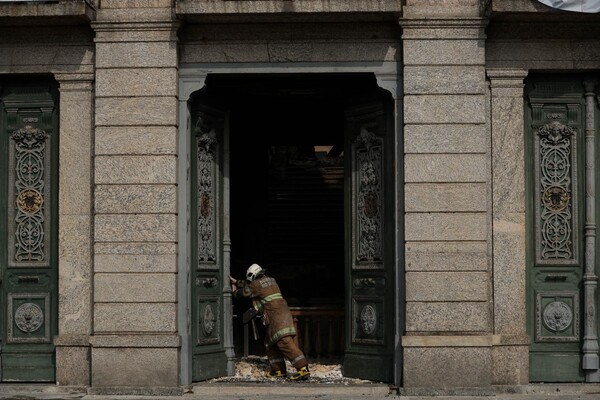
268,301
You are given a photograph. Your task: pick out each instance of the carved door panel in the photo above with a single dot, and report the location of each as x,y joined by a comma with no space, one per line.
555,145
211,307
369,202
28,231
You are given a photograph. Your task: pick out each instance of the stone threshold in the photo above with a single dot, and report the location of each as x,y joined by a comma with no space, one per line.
544,389
204,390
288,388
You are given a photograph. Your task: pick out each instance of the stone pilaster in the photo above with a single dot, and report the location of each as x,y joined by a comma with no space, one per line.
510,352
135,342
447,178
75,229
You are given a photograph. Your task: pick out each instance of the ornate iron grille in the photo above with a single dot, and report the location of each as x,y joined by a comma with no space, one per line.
29,219
556,199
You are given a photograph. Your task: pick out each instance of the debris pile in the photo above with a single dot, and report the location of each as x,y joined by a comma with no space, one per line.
253,369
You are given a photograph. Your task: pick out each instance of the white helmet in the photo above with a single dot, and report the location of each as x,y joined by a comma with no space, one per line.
253,271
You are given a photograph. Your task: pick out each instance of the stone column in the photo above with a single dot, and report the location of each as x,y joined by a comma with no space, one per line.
447,180
511,342
135,342
590,279
75,230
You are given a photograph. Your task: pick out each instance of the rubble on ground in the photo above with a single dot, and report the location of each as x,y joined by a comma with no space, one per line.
253,369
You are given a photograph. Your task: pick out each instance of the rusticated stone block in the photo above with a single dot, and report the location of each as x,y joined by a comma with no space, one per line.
106,4
134,317
447,286
448,317
439,197
73,365
135,288
135,257
511,365
446,256
136,199
443,138
133,14
446,226
135,263
135,54
447,367
113,140
136,228
461,109
444,80
147,367
136,82
446,168
136,169
444,52
136,111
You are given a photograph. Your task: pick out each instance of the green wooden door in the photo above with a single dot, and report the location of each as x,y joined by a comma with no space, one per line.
555,129
28,230
369,209
211,294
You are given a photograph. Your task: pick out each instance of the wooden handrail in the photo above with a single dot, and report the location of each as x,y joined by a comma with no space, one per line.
317,326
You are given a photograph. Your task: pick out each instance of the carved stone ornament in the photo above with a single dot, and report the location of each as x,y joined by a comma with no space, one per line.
29,317
557,316
209,321
368,319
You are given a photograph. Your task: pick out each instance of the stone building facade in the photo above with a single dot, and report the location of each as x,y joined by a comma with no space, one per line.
468,133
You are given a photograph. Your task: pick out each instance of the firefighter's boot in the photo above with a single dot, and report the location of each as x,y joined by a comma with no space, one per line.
302,374
276,374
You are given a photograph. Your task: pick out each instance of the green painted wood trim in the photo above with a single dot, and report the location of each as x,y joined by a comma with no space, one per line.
22,359
545,357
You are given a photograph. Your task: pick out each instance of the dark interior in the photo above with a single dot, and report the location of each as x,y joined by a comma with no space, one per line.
287,184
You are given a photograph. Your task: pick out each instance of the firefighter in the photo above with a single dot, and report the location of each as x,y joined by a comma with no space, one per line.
277,319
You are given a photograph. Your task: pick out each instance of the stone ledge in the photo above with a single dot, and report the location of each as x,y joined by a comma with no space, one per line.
465,341
185,8
72,341
77,9
135,391
160,341
447,341
511,340
434,392
520,6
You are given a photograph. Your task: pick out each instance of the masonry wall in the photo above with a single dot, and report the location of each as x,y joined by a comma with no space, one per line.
290,42
463,170
448,337
135,342
67,53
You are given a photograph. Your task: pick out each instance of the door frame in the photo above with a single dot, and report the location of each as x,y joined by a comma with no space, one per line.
192,78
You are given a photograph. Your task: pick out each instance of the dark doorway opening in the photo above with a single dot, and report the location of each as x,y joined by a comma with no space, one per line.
287,194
